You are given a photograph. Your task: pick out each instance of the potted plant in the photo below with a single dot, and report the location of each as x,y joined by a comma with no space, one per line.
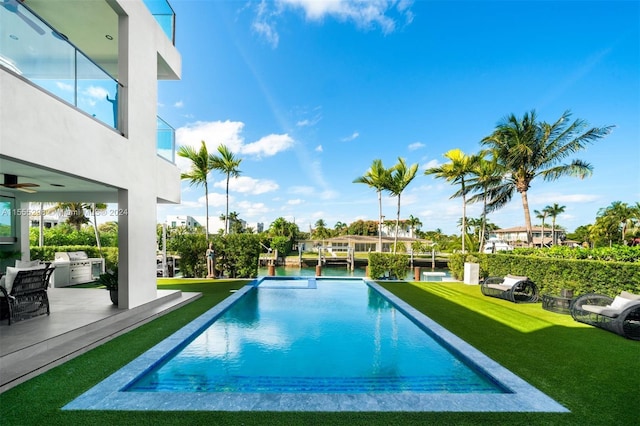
110,281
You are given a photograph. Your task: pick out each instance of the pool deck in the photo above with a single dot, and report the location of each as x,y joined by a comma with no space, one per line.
108,394
80,320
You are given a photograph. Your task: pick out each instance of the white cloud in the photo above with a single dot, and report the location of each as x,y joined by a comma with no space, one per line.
179,104
268,145
304,190
319,148
295,202
416,145
249,209
353,136
364,14
215,200
430,164
96,92
229,133
245,184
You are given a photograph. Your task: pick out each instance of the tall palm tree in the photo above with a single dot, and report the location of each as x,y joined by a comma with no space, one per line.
527,149
376,177
456,170
553,212
401,177
198,174
542,215
227,164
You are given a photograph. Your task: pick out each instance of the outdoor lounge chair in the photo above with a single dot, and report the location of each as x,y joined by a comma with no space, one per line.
512,288
620,315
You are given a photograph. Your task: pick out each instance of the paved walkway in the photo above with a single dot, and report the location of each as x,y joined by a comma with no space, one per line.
80,320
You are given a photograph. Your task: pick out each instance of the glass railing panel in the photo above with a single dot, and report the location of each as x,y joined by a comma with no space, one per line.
34,50
163,12
166,147
97,92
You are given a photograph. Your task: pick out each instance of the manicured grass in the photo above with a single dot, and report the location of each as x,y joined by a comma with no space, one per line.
590,371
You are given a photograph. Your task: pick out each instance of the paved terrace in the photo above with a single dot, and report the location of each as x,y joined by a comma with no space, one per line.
80,320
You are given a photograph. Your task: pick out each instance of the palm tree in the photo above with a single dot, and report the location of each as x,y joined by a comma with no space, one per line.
340,228
553,212
620,215
485,181
542,215
94,207
376,177
527,149
414,223
455,171
201,165
227,164
401,177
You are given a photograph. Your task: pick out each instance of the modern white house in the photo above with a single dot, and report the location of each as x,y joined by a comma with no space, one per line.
78,121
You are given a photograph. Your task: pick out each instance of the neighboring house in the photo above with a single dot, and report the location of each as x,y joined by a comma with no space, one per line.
78,120
356,243
517,236
177,221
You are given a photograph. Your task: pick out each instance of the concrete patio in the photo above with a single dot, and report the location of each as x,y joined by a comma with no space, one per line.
80,320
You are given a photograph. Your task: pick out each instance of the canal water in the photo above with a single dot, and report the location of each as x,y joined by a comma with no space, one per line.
328,271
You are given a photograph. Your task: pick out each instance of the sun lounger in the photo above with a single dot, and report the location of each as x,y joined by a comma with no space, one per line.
512,288
620,315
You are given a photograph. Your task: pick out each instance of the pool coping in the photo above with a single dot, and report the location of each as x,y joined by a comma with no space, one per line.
107,395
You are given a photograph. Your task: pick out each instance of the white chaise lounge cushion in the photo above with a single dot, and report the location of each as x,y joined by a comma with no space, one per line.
612,310
511,280
629,296
601,310
12,273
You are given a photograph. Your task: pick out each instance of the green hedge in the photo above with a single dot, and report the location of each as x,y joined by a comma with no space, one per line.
48,253
552,274
396,264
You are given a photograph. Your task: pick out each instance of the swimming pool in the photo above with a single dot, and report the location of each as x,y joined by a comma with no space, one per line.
314,345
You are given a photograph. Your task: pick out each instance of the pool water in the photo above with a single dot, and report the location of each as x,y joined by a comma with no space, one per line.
313,336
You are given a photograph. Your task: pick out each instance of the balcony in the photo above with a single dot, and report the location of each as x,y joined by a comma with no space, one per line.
34,50
166,18
166,147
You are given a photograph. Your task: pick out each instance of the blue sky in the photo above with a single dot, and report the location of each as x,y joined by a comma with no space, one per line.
308,93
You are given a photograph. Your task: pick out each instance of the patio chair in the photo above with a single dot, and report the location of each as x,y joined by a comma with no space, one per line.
620,315
512,288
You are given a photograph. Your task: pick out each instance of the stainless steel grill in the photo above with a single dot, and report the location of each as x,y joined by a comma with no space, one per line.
76,267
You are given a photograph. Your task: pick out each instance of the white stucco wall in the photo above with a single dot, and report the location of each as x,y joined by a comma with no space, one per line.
40,129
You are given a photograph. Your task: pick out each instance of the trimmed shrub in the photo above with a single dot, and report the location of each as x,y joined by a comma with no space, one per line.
553,274
397,265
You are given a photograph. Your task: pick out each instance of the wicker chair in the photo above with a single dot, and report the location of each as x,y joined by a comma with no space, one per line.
615,315
512,288
28,295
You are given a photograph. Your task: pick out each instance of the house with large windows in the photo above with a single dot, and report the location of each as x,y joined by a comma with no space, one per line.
517,236
79,123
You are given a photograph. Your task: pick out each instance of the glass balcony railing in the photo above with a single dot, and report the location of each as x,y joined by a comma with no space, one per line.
166,141
163,12
31,48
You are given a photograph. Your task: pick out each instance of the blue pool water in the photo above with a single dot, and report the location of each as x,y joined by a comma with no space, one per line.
307,335
265,351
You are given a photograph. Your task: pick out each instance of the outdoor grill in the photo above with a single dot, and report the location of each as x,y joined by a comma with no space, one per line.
76,267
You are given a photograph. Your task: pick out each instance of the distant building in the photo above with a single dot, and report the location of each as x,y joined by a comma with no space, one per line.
178,221
517,236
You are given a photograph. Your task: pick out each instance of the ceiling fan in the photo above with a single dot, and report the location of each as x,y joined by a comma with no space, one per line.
11,181
13,6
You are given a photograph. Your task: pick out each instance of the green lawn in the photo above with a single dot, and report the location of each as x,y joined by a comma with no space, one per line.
590,371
